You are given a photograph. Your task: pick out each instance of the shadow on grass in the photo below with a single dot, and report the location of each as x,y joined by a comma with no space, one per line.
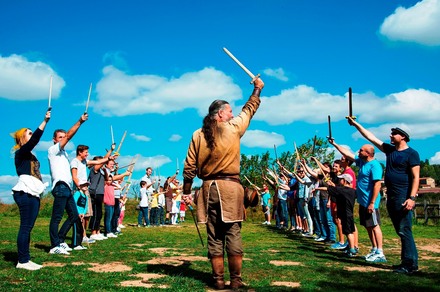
10,256
183,270
43,247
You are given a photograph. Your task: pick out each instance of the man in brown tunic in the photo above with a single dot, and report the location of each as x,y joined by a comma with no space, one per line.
214,156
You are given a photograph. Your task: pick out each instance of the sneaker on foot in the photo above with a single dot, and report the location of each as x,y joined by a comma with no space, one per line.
28,266
95,237
35,264
80,247
320,239
65,246
405,270
58,250
121,226
338,245
102,236
111,235
376,258
370,254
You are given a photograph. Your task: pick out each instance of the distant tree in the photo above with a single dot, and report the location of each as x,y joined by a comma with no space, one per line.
253,166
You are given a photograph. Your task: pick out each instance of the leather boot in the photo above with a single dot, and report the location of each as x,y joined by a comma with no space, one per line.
235,263
218,272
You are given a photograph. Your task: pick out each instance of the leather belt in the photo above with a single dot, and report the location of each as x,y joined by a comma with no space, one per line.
223,177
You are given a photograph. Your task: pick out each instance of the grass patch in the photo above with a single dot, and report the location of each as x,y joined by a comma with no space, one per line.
172,258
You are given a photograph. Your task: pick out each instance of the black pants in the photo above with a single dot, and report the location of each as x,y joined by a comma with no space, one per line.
116,214
95,221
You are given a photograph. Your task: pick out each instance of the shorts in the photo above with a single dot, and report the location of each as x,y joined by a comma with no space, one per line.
347,222
369,220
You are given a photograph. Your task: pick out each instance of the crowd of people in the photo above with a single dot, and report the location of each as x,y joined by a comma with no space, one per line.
319,203
89,191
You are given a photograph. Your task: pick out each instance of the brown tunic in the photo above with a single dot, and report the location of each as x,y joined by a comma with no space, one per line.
224,160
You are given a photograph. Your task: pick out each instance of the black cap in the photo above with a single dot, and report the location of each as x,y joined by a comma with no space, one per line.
401,132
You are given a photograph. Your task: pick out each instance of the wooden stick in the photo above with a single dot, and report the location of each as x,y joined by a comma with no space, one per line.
50,93
88,98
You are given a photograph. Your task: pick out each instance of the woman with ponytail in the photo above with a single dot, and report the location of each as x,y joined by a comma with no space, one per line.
28,189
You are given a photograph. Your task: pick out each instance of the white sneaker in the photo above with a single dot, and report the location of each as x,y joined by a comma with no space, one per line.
96,237
58,250
30,266
36,265
268,223
65,246
264,223
102,236
80,247
111,235
370,254
118,229
85,239
121,226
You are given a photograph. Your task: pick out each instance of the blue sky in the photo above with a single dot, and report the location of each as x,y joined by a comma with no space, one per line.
157,65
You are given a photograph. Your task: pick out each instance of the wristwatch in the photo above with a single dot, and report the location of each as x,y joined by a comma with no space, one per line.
413,198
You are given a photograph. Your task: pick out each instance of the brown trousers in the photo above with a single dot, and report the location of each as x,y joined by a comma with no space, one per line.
221,236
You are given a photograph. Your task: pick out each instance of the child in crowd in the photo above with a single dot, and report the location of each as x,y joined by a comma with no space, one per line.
174,210
161,206
143,206
122,203
182,211
109,204
82,205
154,209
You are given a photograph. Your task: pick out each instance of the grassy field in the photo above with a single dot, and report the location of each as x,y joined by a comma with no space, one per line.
172,259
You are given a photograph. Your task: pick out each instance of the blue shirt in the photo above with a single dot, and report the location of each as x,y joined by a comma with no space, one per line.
398,174
369,173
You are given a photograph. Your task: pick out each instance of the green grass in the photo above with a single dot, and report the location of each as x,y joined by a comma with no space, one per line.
319,267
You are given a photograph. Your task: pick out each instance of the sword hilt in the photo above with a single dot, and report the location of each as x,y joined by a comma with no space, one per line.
255,78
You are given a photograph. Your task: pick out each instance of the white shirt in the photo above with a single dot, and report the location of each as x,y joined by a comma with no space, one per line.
59,165
81,167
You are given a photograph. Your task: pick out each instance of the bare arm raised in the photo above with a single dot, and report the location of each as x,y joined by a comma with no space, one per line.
344,151
367,134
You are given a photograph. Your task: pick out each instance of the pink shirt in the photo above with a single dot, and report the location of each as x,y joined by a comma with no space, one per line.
350,171
109,195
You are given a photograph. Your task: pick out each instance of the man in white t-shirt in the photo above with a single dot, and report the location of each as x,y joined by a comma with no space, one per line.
62,188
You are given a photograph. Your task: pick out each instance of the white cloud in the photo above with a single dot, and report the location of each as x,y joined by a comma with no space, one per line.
175,138
44,146
301,103
262,139
143,162
419,23
26,80
276,73
435,159
140,137
121,94
304,103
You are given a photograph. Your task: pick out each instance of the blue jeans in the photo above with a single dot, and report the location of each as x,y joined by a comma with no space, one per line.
283,213
29,206
63,200
402,222
143,213
108,218
328,226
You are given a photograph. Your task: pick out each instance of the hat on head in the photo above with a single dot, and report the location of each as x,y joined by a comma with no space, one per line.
84,183
401,132
348,178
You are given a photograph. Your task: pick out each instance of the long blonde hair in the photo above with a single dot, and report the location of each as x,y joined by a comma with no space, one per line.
18,137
